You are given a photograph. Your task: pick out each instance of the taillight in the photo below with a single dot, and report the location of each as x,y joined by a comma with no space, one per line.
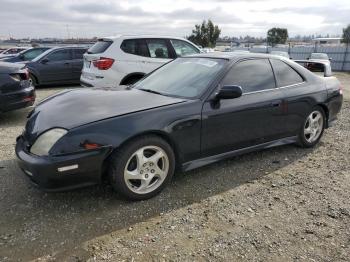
103,63
26,74
21,76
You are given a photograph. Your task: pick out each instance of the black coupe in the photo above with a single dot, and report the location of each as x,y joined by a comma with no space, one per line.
190,112
15,89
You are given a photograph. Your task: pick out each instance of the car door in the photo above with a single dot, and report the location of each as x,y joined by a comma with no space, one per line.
254,118
160,52
136,52
297,102
56,66
77,63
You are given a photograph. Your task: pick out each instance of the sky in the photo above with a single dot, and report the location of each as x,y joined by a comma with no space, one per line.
89,18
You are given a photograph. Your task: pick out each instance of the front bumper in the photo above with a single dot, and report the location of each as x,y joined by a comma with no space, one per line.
17,100
44,171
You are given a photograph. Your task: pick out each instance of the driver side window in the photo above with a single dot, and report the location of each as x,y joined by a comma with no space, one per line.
59,55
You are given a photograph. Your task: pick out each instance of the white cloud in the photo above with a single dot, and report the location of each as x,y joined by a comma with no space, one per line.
87,18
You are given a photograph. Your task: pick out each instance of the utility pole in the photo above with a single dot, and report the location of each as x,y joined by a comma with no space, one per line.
68,34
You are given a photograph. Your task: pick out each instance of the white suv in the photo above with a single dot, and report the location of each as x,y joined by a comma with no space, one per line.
123,60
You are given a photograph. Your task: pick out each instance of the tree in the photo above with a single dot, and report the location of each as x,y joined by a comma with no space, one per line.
277,36
205,34
346,35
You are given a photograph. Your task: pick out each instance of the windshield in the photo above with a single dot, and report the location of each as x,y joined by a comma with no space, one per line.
184,77
29,55
319,56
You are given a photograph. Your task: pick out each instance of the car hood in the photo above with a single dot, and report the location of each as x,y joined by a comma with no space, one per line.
73,108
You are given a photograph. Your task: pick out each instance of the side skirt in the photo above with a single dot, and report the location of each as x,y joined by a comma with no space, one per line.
212,159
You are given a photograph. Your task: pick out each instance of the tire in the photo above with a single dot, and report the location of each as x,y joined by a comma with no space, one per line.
311,132
131,80
32,80
142,168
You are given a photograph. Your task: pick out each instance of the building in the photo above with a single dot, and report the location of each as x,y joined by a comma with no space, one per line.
327,41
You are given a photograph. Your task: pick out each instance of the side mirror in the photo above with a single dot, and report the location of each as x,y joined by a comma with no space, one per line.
308,58
44,61
229,92
330,59
21,56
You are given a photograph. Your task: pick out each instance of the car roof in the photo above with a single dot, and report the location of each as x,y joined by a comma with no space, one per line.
142,36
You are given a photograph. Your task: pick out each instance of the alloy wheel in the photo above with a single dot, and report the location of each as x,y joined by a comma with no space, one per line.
146,169
313,126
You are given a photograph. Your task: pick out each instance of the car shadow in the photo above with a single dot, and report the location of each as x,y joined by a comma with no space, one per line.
39,223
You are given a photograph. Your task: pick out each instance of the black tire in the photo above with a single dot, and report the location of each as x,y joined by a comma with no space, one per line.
33,81
120,158
302,137
131,80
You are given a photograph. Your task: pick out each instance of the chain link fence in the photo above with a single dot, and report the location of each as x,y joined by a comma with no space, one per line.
340,55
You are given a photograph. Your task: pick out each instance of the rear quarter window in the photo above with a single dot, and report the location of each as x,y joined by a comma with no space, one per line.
99,47
285,75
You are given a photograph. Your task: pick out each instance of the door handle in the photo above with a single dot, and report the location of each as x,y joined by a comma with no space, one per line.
66,63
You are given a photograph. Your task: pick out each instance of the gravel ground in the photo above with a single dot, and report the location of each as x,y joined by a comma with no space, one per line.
281,204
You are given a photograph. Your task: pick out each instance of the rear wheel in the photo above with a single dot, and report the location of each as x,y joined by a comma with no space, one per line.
142,168
313,127
131,80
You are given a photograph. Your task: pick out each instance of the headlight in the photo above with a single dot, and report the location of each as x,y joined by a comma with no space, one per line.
46,141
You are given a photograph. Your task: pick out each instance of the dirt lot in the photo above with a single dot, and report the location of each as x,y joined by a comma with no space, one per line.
282,204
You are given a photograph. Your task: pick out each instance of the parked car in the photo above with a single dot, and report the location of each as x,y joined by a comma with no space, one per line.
26,55
241,51
12,51
319,57
280,53
124,60
59,65
190,112
15,89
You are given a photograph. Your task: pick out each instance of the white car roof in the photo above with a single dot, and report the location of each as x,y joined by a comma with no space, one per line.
142,36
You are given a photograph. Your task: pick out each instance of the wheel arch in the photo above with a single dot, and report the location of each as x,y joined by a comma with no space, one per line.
35,76
162,134
326,111
131,75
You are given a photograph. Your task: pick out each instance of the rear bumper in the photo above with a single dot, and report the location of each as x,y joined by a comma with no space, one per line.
45,173
104,80
17,100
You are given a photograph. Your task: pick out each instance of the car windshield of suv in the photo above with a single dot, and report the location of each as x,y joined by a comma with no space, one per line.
29,55
319,56
184,77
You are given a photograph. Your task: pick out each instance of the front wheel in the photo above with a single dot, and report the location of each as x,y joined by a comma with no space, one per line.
313,127
142,168
32,80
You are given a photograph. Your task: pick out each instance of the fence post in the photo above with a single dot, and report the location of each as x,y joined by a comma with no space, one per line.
345,56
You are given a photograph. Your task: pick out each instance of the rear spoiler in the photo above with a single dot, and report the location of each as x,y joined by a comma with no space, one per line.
316,66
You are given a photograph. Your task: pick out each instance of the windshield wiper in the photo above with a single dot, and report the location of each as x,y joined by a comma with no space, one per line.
150,91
